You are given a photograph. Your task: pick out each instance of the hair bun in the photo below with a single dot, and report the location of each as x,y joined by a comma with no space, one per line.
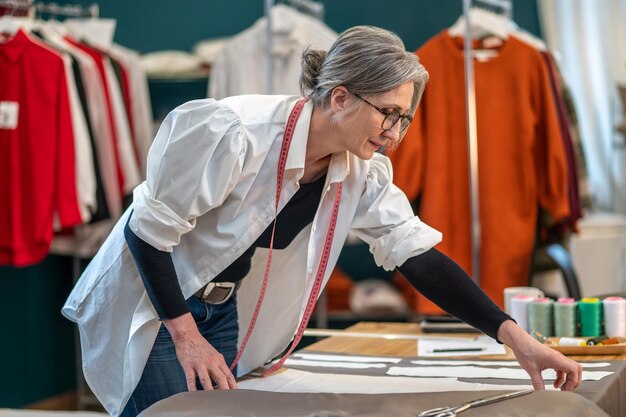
312,61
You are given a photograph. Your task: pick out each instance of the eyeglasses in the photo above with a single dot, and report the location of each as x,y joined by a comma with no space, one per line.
391,117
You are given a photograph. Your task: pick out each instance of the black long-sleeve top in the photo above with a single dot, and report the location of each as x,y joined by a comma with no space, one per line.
432,273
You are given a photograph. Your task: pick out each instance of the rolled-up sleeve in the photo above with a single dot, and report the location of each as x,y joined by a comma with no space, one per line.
385,219
193,164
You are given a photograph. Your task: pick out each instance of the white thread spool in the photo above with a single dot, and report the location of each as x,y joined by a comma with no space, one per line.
519,309
615,316
571,341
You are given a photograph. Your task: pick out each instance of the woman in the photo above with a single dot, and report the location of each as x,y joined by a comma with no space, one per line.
204,220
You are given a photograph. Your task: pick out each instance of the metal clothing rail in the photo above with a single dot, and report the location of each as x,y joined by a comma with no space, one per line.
53,9
269,79
472,134
69,10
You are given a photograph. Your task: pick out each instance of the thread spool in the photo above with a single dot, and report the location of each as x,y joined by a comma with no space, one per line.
571,341
565,317
519,310
615,316
540,316
590,317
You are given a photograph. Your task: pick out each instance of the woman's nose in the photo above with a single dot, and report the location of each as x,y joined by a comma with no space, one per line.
393,133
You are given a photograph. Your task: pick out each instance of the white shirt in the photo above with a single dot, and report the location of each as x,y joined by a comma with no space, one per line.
125,152
209,194
87,238
292,32
142,123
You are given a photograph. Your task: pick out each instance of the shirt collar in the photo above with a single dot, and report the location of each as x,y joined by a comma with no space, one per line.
15,47
339,164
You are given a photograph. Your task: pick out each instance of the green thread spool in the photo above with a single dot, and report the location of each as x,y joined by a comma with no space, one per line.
590,317
566,318
540,317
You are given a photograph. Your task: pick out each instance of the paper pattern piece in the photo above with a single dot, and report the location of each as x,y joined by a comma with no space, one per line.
293,380
346,358
426,362
488,346
476,372
333,364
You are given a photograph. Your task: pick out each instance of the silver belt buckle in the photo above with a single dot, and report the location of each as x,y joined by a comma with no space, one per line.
218,292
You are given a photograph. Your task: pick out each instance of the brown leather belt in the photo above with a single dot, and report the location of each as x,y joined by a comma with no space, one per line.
217,292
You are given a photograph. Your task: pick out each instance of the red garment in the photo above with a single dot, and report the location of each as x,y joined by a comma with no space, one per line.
128,104
521,160
99,59
568,144
37,169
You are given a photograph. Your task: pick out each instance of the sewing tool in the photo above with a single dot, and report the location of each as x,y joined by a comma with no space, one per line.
454,410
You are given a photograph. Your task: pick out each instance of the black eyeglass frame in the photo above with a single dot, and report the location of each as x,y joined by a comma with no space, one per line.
387,114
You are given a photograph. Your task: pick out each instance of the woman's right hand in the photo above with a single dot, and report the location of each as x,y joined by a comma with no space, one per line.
197,357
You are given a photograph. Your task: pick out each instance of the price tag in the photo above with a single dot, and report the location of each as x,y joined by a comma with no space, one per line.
9,111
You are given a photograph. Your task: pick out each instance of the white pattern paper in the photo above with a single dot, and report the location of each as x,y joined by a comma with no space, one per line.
293,380
345,358
485,344
477,372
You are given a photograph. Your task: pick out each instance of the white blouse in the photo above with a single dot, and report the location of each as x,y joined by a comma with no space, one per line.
209,194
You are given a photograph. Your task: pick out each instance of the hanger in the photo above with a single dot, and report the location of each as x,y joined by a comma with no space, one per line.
309,7
9,25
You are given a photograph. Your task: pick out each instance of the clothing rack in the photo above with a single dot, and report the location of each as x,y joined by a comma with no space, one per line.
269,80
69,10
472,134
505,6
53,9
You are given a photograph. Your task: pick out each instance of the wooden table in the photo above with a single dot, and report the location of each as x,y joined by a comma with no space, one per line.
607,395
366,346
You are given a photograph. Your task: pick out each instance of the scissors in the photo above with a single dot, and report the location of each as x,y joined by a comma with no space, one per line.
454,410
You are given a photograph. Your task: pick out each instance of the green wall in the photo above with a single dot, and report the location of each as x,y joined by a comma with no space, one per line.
37,344
164,24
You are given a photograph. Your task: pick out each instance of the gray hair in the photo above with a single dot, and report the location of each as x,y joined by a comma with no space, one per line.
364,59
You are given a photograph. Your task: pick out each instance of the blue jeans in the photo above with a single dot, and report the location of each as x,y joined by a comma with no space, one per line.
163,376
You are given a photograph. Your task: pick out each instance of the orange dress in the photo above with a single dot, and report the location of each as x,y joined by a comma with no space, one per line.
521,159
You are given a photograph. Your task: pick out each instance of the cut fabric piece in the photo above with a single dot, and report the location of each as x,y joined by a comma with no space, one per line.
344,358
292,380
333,364
477,372
427,362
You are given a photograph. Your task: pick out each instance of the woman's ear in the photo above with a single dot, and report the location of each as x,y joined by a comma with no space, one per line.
339,99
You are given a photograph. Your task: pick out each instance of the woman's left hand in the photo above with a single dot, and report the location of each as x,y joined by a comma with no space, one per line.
535,357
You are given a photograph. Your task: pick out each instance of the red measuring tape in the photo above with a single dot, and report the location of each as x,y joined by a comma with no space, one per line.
317,285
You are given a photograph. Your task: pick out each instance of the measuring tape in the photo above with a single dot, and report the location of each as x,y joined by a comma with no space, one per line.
284,152
317,285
